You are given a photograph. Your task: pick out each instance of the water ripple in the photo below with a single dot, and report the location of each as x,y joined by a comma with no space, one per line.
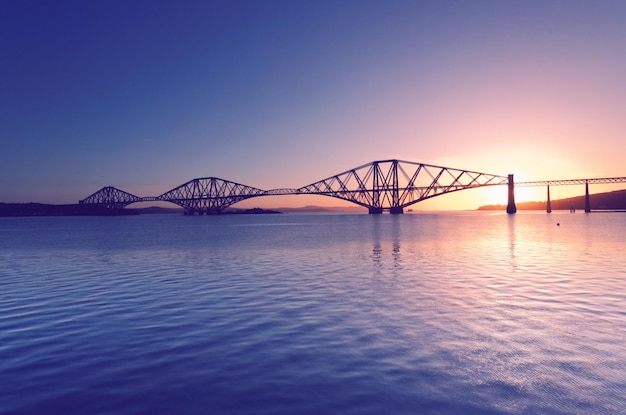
453,313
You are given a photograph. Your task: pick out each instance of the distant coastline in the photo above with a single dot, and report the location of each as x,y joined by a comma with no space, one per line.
615,200
608,201
43,209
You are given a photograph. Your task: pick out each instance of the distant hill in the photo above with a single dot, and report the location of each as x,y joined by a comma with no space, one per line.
42,209
615,200
252,211
321,209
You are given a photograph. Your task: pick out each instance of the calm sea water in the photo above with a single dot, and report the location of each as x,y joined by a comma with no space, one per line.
448,313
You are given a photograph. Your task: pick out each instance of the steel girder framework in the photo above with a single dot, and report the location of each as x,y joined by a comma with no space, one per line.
111,198
380,185
395,184
209,195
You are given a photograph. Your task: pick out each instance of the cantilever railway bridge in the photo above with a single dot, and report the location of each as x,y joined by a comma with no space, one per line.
385,185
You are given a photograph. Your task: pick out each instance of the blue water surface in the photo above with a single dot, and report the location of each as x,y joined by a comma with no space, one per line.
444,313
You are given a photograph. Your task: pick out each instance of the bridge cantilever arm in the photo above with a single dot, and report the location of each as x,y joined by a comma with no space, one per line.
384,184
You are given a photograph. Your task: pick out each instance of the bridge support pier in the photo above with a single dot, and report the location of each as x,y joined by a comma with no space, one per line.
549,206
396,210
510,207
375,211
587,202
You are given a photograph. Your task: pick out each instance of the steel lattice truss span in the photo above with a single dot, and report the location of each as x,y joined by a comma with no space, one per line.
394,184
209,195
381,185
111,198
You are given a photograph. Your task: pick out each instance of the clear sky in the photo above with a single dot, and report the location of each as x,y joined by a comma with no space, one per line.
145,95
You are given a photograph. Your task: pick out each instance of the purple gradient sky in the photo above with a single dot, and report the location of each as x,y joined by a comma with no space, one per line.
145,95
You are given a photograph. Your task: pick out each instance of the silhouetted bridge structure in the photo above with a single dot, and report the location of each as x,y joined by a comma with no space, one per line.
385,185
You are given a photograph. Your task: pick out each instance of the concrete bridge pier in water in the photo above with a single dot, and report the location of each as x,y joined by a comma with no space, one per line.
587,202
397,210
549,205
548,200
510,207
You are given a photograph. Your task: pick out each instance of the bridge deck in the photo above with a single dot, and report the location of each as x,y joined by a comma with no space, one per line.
565,182
389,185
